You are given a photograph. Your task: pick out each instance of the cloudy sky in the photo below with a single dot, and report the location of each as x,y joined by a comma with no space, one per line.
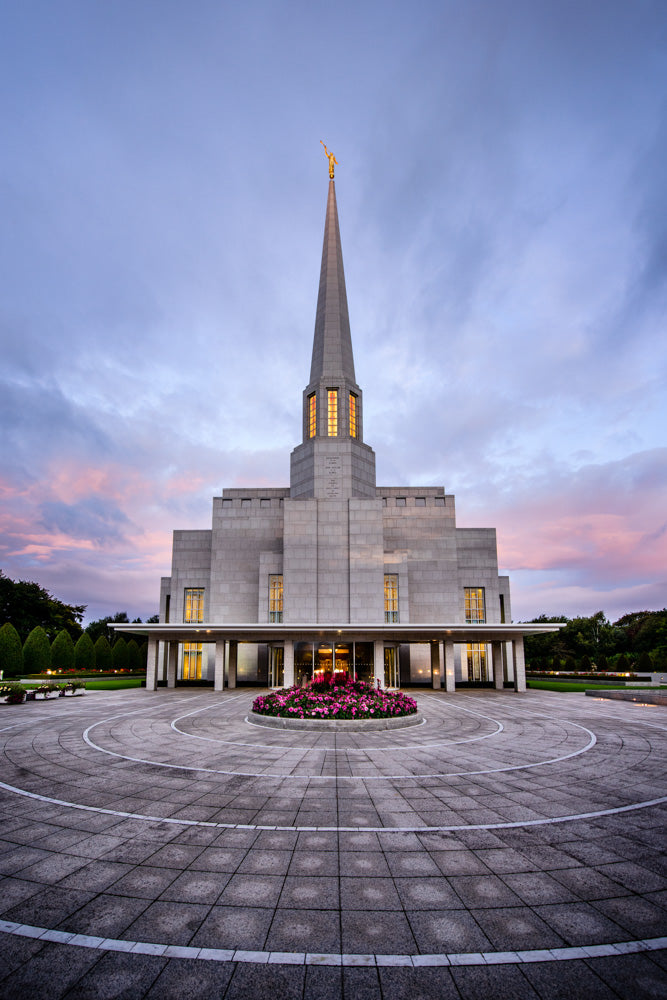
503,208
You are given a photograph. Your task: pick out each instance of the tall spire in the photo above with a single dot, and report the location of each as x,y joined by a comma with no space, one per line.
332,342
332,463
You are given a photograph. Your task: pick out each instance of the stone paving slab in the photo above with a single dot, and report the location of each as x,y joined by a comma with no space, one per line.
158,844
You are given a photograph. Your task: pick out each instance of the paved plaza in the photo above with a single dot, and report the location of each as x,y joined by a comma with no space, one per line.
160,845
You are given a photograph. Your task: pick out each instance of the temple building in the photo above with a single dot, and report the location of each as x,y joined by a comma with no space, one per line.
333,573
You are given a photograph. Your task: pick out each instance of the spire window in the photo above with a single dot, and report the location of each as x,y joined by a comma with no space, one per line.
353,415
332,415
312,415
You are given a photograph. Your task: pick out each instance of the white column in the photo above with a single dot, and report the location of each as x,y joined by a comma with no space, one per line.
172,662
435,664
509,661
450,676
232,651
161,660
519,664
219,675
288,664
151,665
497,656
378,662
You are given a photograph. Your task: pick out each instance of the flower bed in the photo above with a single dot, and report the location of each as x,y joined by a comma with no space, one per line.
344,699
16,694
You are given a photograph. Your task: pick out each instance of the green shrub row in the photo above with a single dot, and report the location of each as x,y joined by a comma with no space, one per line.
37,654
621,664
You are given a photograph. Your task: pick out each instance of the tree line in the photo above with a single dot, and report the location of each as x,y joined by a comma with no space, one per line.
41,633
637,641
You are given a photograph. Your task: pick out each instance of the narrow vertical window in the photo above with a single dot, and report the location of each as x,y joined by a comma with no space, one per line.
275,598
312,415
353,415
193,612
194,604
391,597
332,415
474,605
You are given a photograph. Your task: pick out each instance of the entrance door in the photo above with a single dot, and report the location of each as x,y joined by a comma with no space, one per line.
391,671
303,662
276,666
476,653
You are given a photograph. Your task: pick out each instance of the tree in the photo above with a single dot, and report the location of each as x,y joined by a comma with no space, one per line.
134,655
119,654
622,665
37,652
84,654
103,654
11,651
602,663
570,665
644,631
62,652
644,663
100,626
585,664
27,605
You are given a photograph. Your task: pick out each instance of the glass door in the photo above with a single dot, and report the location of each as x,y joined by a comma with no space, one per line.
276,666
391,670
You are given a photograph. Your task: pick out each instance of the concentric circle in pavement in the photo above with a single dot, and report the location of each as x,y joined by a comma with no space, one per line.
164,839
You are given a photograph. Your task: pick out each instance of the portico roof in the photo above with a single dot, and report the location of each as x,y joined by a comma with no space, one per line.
390,632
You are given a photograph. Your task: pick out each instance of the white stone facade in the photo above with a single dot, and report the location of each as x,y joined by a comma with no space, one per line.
329,540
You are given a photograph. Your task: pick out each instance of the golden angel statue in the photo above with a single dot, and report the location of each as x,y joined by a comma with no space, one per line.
331,158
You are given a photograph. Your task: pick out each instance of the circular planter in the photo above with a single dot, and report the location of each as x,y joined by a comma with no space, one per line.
335,725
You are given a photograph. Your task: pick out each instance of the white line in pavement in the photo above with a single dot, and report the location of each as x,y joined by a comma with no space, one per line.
515,824
259,957
343,777
415,748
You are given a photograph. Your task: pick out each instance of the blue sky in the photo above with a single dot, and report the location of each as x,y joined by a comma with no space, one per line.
503,212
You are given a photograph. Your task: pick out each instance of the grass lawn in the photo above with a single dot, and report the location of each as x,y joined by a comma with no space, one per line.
105,684
583,686
114,684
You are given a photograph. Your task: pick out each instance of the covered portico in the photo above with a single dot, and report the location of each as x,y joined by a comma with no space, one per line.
506,642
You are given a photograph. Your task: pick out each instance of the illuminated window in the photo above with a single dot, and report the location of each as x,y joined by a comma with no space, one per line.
476,661
192,661
194,604
391,597
353,415
474,604
194,612
332,415
312,415
275,598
